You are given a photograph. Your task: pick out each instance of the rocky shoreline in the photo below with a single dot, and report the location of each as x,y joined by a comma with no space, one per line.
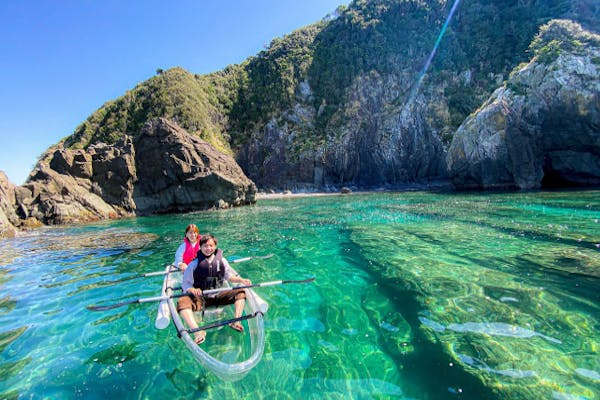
538,129
430,186
164,169
9,229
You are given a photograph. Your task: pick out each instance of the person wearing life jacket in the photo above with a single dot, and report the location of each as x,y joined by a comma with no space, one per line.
209,271
187,251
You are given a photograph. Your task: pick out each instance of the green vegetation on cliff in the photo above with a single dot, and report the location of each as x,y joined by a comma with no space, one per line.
271,79
559,36
197,103
484,42
487,39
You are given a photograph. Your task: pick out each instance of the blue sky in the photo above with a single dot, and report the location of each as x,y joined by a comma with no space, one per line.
61,60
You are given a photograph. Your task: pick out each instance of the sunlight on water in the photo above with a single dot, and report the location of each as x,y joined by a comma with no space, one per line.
417,296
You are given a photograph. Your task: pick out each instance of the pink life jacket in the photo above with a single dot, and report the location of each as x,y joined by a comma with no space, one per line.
190,251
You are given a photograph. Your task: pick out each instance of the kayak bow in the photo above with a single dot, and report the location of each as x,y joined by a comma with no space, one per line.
230,365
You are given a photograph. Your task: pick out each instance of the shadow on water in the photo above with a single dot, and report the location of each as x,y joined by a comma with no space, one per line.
570,274
577,286
427,367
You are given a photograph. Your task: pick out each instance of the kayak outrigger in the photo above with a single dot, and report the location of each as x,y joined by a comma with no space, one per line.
229,356
223,358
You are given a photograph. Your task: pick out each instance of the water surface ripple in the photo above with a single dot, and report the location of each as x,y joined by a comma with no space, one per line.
417,296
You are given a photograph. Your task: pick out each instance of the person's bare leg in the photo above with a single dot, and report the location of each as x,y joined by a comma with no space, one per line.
188,317
239,308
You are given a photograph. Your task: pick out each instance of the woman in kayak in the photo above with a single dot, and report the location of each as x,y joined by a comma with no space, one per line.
189,248
209,271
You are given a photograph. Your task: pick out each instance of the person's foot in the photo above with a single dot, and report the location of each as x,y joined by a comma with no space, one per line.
237,326
200,337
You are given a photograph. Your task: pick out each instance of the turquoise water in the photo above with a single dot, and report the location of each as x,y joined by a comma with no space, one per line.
417,296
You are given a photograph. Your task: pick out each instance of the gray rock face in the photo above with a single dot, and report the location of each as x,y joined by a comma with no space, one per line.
384,141
382,134
379,142
8,218
163,170
541,129
179,172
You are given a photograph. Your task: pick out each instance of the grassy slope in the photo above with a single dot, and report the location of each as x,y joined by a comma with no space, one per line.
486,38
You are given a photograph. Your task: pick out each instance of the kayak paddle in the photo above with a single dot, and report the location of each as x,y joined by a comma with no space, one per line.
239,260
210,291
157,273
224,322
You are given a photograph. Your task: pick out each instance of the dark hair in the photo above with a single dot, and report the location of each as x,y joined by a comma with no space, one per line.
191,227
206,237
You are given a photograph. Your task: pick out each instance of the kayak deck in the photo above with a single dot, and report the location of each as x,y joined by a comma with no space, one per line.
227,353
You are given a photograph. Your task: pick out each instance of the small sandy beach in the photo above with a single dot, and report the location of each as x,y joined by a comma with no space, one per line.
282,195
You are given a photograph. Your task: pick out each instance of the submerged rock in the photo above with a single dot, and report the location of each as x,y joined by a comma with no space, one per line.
493,287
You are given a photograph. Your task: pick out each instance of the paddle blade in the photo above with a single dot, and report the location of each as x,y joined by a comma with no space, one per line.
239,260
267,256
104,308
300,281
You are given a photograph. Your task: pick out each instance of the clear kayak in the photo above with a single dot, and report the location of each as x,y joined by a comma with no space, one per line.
227,353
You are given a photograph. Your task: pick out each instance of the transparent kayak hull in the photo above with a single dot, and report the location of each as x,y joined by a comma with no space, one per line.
227,353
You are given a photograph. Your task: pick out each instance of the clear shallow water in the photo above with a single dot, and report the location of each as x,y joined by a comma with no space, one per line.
417,296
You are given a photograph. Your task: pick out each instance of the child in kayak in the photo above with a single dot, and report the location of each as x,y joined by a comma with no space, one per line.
208,271
189,248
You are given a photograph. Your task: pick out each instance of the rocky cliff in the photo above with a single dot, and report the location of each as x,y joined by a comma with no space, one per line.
163,169
356,100
180,172
8,218
542,128
357,109
379,141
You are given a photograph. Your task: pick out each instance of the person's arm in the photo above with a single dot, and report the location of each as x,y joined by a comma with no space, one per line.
187,283
233,277
179,257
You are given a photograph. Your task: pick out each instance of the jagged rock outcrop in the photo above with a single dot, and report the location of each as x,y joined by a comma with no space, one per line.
163,169
79,185
542,128
180,172
8,218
